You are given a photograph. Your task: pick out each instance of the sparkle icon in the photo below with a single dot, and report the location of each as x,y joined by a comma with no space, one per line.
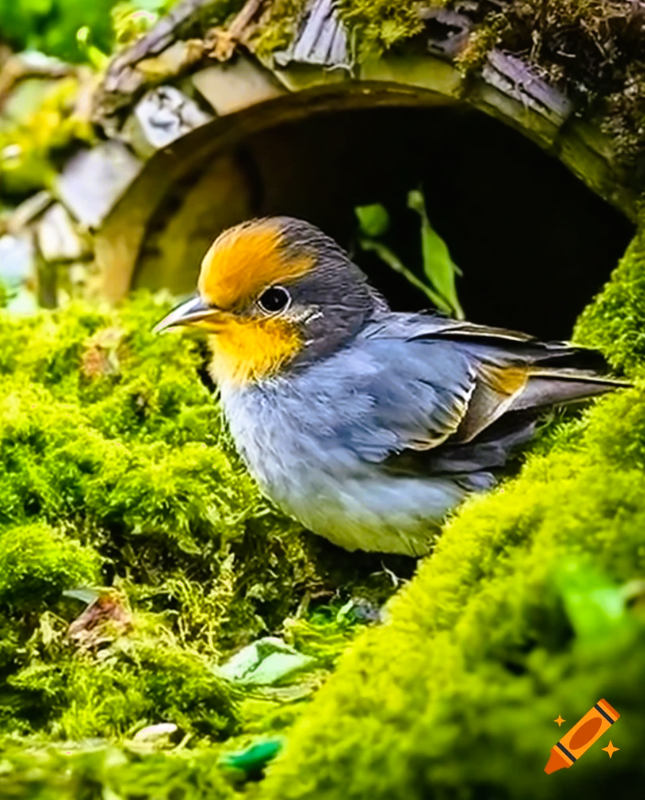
579,739
559,720
611,749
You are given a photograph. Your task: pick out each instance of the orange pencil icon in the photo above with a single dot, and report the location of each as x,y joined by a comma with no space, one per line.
580,738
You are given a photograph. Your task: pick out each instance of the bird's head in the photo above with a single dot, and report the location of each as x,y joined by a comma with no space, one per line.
274,293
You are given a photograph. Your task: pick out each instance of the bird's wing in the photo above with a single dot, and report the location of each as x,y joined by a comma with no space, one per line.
516,372
389,395
442,381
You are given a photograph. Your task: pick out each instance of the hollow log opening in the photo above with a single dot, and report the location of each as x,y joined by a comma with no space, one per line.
533,242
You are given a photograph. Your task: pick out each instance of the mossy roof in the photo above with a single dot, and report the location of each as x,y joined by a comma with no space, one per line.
592,50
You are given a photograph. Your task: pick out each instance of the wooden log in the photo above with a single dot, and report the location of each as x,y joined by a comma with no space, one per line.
318,70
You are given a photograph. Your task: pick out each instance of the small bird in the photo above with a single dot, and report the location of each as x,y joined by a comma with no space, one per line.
364,424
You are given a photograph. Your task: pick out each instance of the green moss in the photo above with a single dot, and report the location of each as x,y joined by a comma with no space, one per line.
37,564
280,25
33,147
518,616
376,25
132,684
381,24
615,321
480,42
109,675
69,773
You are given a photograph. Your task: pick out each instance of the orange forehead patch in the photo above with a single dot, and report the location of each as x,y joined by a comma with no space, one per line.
243,261
249,349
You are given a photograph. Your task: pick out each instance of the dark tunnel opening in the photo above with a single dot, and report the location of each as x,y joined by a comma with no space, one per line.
533,242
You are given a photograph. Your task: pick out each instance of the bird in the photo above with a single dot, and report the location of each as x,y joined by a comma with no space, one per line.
367,425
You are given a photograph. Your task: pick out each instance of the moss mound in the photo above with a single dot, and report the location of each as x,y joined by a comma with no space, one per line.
37,564
531,607
376,24
615,321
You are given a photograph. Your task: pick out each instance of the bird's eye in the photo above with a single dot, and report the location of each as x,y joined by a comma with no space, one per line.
274,299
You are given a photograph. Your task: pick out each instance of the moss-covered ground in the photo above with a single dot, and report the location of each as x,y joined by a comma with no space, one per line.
135,556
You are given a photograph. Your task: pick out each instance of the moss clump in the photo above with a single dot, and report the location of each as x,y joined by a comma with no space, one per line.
33,148
615,321
586,43
376,25
137,680
480,43
279,25
592,50
37,564
521,614
69,773
380,24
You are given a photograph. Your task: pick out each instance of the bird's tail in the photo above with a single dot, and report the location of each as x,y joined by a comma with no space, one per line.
555,387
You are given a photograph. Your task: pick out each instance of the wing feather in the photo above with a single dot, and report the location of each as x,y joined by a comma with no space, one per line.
466,377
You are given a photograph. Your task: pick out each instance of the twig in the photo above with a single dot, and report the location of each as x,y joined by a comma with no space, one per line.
225,41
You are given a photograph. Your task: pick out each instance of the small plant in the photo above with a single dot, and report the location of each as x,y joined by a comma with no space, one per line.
439,269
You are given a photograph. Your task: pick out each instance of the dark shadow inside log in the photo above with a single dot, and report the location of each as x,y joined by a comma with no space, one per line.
534,243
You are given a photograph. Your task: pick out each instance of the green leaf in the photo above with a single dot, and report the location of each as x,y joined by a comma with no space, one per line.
373,220
386,255
265,663
255,757
439,268
595,606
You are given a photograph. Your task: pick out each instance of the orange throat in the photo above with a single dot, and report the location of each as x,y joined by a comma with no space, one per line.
248,350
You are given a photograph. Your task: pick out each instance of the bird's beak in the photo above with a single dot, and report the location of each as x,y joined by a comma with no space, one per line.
193,312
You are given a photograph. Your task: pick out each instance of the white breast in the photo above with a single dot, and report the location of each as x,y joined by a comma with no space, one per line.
305,470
